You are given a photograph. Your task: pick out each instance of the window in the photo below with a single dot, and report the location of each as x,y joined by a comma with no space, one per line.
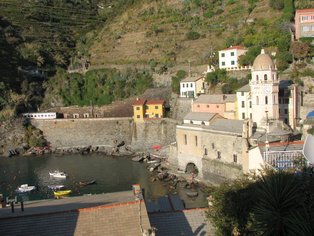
207,106
156,115
266,100
183,85
191,85
196,141
304,18
286,111
256,77
250,104
232,62
275,99
217,106
187,85
156,107
242,93
222,54
235,158
203,123
243,115
198,105
223,63
137,108
185,139
243,104
251,116
232,53
265,77
286,120
138,116
205,152
257,100
306,28
213,146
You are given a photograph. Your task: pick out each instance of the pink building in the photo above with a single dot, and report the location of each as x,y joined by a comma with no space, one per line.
223,104
304,23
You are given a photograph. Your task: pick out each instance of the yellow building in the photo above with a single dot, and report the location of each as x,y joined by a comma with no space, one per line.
139,109
148,109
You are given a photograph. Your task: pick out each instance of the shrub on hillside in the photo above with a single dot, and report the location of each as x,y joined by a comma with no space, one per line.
192,35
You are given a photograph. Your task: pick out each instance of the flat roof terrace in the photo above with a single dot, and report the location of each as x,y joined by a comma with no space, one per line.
102,214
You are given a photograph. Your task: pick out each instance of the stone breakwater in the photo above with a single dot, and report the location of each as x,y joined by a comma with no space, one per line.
109,135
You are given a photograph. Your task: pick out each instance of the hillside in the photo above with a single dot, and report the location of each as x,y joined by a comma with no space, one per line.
162,31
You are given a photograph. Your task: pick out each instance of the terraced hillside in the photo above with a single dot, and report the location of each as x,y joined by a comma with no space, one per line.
176,31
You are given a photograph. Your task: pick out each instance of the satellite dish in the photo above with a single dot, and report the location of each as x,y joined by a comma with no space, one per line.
308,148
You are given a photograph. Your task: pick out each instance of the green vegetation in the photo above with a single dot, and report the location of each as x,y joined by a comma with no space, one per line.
175,81
98,87
230,85
34,137
277,203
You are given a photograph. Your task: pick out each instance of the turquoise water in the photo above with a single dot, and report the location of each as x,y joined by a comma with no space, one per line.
112,174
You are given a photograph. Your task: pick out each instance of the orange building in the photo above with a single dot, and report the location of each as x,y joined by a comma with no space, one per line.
148,109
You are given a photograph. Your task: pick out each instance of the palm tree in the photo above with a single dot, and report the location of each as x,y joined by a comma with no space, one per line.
281,205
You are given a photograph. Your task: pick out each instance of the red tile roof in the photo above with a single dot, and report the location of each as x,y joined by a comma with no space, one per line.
139,102
305,10
234,47
155,102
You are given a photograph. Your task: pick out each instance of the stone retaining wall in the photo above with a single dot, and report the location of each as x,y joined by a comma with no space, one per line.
104,131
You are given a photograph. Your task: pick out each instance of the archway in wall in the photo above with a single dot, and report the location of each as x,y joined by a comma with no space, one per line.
191,168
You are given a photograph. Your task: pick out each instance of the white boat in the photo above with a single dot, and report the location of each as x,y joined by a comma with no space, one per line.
55,187
24,188
58,174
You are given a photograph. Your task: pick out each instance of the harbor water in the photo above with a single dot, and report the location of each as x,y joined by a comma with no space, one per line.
112,174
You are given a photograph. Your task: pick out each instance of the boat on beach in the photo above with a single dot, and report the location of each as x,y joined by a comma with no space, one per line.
61,193
84,183
24,188
58,174
55,187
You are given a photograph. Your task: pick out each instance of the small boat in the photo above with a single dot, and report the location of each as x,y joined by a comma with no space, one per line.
192,193
83,183
55,187
138,158
153,167
62,193
58,174
154,161
24,188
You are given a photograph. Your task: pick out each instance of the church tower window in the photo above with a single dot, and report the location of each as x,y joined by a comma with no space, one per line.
265,77
256,77
266,100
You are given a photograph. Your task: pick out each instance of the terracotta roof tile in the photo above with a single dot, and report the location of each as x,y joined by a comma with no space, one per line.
139,102
155,102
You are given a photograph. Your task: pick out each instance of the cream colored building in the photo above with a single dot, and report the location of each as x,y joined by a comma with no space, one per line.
244,103
220,140
191,87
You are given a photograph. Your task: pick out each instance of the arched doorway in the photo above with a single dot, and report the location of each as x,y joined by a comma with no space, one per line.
191,168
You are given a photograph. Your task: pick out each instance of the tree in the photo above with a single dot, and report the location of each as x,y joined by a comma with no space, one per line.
300,50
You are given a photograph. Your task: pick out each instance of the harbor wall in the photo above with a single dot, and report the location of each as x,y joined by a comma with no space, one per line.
62,133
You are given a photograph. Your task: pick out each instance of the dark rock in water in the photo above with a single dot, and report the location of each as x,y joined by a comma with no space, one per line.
121,144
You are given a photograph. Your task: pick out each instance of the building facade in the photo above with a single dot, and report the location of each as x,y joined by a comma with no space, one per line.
222,104
148,109
191,87
244,103
228,58
304,23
